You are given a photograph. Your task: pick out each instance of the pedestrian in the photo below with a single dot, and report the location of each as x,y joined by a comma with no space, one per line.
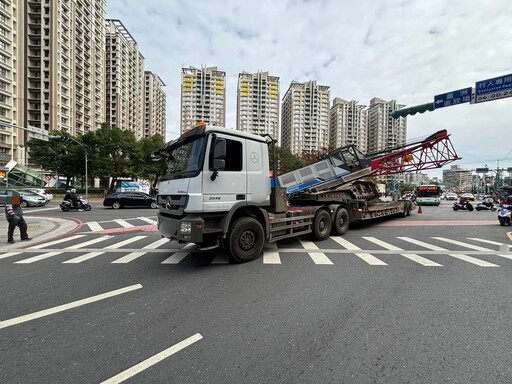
105,193
14,215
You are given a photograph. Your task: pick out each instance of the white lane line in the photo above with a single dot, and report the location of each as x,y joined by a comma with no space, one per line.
271,256
9,254
64,307
124,223
465,245
179,255
317,257
366,257
39,246
91,255
469,259
135,255
143,365
147,220
94,226
486,241
51,254
411,256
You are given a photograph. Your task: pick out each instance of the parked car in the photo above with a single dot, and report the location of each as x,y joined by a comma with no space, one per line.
130,199
451,196
41,192
468,196
30,199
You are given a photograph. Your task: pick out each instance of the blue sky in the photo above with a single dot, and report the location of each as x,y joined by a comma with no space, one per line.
404,50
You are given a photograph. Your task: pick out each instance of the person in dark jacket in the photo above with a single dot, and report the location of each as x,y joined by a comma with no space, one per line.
14,215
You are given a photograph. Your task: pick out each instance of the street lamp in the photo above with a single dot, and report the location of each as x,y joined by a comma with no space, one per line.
69,140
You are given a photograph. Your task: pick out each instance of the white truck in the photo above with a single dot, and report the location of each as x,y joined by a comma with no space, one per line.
218,192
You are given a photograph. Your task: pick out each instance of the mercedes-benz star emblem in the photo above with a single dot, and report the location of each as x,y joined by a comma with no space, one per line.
168,203
254,157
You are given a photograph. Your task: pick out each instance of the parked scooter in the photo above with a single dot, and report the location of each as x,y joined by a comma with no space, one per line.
504,215
485,206
467,206
83,204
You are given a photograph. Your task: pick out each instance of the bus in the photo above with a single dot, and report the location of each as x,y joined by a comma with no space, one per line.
428,195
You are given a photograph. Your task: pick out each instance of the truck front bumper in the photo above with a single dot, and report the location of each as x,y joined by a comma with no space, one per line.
189,229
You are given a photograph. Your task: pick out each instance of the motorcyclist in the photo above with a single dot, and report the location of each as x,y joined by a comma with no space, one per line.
74,198
67,196
463,202
507,201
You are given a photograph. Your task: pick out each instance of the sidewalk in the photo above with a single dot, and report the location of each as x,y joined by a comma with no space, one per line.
39,229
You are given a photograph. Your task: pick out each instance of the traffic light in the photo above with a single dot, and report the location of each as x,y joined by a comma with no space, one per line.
62,139
412,110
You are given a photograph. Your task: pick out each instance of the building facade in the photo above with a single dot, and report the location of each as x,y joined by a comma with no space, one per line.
385,132
154,105
305,117
125,80
348,122
457,179
257,104
203,97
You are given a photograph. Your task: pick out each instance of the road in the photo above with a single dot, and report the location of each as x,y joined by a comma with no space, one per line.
422,299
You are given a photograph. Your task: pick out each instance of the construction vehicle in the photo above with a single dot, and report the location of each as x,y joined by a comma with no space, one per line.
217,193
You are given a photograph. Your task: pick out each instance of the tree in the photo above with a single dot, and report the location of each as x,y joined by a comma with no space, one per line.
147,168
286,160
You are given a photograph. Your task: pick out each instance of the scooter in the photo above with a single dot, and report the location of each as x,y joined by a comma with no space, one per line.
67,205
463,207
485,206
504,215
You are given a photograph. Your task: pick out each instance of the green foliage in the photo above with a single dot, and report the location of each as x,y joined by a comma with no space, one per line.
286,160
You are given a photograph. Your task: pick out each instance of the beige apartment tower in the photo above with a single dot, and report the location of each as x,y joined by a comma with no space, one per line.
257,104
348,121
125,80
385,132
203,97
305,117
154,105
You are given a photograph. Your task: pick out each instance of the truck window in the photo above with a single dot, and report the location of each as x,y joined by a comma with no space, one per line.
233,156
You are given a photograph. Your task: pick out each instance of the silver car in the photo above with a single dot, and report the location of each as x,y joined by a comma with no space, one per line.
41,192
30,199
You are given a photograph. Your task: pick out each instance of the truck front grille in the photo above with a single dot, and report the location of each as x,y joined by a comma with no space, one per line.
172,204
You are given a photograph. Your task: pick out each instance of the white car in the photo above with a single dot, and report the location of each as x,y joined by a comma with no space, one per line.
451,196
41,192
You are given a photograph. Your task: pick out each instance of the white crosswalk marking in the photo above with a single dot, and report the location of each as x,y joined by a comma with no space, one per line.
90,242
91,255
317,257
9,254
179,255
94,226
366,257
411,256
469,259
271,254
465,245
505,256
124,223
135,255
63,240
147,220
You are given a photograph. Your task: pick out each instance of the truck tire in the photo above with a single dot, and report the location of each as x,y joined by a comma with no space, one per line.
341,222
322,225
245,240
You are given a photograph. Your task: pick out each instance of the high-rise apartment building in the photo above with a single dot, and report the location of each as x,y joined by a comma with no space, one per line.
458,179
257,104
384,131
125,80
203,97
348,122
65,60
305,117
154,105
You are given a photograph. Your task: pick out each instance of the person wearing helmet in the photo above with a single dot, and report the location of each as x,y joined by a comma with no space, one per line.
67,196
74,198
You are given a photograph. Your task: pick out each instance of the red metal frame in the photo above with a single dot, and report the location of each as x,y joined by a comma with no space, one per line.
434,152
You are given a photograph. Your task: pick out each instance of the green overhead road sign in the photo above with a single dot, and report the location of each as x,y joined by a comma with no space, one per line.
412,110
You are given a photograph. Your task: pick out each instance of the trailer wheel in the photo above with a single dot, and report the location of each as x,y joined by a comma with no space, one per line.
322,225
341,221
245,240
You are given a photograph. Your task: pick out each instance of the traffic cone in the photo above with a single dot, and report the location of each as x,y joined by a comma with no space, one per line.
419,209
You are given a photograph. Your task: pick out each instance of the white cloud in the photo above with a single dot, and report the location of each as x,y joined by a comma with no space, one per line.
403,50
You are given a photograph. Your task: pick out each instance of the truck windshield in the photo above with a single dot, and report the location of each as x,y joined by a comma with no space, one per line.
185,159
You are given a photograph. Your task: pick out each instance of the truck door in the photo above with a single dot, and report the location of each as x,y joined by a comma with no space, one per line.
228,187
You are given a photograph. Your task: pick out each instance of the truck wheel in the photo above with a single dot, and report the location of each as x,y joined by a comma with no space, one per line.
341,221
322,225
246,240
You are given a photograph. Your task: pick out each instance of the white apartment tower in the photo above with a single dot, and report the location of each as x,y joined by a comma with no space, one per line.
385,132
257,104
348,122
305,117
65,60
154,105
203,97
125,80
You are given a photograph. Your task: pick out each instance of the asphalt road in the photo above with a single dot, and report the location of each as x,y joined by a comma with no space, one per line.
395,301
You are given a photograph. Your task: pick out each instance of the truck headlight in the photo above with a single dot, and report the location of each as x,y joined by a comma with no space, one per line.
185,227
